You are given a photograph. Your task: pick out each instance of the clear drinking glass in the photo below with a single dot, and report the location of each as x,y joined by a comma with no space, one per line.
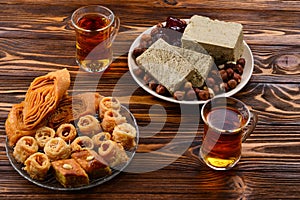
96,28
227,123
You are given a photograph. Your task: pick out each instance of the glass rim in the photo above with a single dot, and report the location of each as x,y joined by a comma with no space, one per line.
74,23
225,130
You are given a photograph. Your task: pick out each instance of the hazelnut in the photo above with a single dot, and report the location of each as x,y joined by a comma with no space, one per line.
187,86
147,78
224,86
241,61
239,69
179,95
214,73
232,83
237,77
203,95
216,89
143,44
160,89
190,95
230,72
146,37
139,72
224,75
210,82
152,85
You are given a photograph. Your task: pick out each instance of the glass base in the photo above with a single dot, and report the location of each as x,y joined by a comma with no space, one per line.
219,163
94,65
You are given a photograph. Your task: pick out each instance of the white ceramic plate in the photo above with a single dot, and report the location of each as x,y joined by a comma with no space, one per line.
51,183
248,69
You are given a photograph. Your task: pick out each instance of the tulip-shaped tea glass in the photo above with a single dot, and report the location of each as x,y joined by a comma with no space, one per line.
227,123
96,28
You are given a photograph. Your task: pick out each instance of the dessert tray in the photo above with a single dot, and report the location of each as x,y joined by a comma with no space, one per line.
248,69
50,181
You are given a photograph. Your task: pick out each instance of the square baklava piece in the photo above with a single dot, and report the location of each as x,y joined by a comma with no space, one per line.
69,173
92,163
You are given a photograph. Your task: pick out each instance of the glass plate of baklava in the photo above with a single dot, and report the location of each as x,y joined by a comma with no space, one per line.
69,142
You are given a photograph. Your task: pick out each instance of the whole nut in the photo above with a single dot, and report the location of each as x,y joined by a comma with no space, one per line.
237,77
152,85
203,95
160,89
216,89
139,72
214,73
224,86
224,75
190,95
187,86
143,44
147,78
179,95
232,83
239,69
146,37
210,82
230,72
241,61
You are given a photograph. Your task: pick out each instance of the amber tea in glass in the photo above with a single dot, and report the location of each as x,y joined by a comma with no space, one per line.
226,125
96,28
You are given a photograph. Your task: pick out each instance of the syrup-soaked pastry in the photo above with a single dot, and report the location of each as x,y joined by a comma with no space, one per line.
43,96
57,149
81,143
108,103
113,153
63,113
14,126
89,125
70,108
125,134
43,135
111,119
37,166
67,132
25,147
85,104
100,137
69,173
93,164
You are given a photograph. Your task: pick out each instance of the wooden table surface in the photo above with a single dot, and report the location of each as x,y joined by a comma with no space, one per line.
36,37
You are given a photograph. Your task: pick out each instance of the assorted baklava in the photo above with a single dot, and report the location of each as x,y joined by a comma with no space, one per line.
81,137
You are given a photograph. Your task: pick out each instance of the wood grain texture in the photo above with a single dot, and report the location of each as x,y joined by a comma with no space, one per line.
36,37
